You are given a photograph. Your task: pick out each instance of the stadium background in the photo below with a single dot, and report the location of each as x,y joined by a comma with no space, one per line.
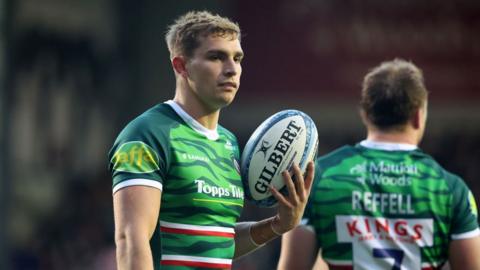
73,73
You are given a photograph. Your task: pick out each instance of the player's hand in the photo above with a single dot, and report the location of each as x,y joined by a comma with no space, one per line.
291,207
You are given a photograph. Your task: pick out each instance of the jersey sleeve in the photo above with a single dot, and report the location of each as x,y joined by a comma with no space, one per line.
138,157
465,214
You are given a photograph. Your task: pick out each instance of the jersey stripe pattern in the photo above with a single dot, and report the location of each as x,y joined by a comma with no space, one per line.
387,209
202,192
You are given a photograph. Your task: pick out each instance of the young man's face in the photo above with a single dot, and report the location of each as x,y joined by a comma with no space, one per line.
214,70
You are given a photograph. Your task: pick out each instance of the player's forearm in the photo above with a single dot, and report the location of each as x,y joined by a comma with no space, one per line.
263,231
252,235
133,253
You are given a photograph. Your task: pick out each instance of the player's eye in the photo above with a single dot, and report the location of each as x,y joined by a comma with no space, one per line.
214,56
238,59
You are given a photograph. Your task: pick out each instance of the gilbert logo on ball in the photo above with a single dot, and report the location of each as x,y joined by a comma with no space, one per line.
285,138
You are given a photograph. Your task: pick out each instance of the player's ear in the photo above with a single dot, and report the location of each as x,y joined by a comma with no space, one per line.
363,116
180,65
417,119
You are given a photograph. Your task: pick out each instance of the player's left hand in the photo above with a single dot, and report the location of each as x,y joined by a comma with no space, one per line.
291,207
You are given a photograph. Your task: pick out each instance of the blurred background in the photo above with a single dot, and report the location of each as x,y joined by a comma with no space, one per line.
73,73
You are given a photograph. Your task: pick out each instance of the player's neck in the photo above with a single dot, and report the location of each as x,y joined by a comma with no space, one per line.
393,137
209,121
198,111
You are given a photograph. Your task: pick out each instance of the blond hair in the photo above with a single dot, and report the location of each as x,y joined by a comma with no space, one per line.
183,36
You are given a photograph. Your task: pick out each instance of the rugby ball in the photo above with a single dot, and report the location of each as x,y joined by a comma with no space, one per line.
285,138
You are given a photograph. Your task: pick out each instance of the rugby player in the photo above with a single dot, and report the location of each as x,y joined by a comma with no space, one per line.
383,203
177,191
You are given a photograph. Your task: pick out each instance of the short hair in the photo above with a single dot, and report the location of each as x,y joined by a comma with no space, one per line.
183,36
391,93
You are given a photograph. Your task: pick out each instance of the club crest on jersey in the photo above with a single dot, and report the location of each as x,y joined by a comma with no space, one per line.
135,157
236,164
229,145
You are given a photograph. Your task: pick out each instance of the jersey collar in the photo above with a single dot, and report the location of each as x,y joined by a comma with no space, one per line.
211,134
388,146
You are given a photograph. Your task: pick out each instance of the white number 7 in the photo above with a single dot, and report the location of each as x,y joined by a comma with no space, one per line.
396,254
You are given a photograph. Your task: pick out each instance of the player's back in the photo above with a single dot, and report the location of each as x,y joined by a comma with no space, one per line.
387,206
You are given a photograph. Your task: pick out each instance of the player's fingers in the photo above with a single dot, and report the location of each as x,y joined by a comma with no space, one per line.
280,198
309,176
292,193
299,182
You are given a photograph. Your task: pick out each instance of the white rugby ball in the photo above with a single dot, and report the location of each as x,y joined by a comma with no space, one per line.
287,137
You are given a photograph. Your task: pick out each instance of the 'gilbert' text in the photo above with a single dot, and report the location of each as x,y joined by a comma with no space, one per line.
276,157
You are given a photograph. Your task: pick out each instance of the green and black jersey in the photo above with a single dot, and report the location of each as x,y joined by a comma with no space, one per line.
197,171
387,206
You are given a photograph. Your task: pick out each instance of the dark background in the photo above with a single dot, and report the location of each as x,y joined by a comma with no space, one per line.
73,73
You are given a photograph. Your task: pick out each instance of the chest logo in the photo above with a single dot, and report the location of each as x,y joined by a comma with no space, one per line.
219,192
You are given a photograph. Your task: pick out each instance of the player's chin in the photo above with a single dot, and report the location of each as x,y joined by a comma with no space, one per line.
226,99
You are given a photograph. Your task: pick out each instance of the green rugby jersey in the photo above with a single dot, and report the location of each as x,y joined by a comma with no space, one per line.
197,171
387,206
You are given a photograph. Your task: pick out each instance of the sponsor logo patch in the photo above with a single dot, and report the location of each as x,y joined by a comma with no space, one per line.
220,192
364,228
195,157
135,157
473,205
384,173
